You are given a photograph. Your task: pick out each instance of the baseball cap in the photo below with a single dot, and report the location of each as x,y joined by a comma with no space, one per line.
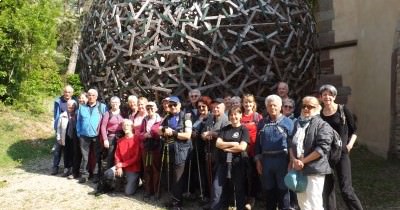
174,99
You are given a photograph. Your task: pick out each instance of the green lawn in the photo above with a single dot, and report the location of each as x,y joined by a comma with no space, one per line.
376,180
23,137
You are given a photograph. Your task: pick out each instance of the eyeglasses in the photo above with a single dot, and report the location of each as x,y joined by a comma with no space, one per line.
172,105
288,106
309,107
149,108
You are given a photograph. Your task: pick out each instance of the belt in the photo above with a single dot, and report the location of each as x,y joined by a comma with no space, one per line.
275,152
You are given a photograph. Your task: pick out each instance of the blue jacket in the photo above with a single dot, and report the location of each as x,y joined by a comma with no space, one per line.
88,122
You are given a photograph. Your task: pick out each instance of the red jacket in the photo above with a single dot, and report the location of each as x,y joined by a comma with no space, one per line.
128,154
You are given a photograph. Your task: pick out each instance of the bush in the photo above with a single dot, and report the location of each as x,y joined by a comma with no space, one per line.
75,82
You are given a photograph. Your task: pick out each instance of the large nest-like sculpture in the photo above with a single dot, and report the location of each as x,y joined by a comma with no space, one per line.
155,48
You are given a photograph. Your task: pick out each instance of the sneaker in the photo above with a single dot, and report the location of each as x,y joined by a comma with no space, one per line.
82,180
54,171
67,172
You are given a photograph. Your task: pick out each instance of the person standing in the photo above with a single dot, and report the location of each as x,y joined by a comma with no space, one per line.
209,134
176,129
271,150
87,126
232,142
250,119
65,135
151,147
309,148
341,119
60,106
111,129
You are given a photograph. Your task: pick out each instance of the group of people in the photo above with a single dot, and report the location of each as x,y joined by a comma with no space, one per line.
220,149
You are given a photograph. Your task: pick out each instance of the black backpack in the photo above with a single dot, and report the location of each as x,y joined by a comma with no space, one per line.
336,147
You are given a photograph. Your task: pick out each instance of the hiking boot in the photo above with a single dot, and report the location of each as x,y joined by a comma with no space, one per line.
82,180
67,172
54,171
95,179
173,204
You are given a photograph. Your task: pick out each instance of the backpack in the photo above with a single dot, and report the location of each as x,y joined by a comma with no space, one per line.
336,147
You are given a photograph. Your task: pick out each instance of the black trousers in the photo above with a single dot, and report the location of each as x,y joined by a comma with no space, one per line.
343,174
77,157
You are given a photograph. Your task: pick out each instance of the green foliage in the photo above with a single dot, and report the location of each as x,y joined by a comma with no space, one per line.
28,38
75,82
43,82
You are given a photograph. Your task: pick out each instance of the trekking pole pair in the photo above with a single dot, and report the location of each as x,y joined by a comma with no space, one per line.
165,155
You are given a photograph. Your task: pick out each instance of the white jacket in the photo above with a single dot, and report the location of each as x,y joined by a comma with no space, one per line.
62,128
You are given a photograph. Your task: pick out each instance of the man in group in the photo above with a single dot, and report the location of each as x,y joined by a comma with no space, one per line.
60,106
88,121
283,90
176,130
209,134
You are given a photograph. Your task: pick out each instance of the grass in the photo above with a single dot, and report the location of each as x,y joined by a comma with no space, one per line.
375,179
23,137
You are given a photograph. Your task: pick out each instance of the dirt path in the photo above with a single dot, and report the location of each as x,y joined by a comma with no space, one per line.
35,188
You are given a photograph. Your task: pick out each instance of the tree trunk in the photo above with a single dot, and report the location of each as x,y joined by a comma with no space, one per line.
74,56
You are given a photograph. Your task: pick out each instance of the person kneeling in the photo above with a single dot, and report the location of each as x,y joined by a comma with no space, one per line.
127,159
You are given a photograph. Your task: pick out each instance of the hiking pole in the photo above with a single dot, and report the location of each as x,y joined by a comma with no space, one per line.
198,170
209,166
161,170
187,194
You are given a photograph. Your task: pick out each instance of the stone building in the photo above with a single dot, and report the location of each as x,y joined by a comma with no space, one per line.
360,54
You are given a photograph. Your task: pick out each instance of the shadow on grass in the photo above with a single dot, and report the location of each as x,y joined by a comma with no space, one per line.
375,180
27,154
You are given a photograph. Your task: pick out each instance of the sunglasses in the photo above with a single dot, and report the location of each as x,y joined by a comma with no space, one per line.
309,107
172,105
288,106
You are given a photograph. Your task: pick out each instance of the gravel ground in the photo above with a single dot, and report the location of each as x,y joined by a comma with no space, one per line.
32,187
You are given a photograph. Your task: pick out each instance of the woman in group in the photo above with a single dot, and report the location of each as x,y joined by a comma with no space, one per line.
127,159
111,129
309,149
151,149
232,141
288,107
198,152
250,119
140,114
341,119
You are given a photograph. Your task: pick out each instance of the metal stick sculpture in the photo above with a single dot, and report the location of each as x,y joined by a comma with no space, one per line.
160,47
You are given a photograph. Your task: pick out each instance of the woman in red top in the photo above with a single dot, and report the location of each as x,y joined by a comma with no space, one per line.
250,119
127,158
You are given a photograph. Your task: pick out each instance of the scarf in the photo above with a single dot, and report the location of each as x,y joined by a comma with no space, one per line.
300,134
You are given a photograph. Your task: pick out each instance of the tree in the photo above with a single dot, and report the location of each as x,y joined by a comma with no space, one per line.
28,38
